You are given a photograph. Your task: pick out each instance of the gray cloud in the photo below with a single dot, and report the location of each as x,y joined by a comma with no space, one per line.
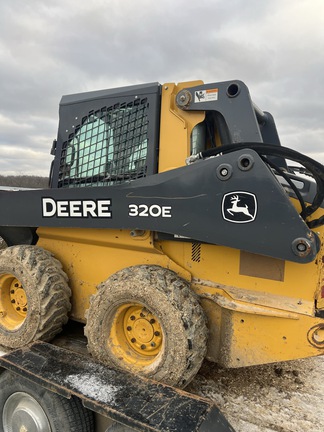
47,50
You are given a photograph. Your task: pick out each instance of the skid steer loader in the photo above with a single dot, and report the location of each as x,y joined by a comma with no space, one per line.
175,229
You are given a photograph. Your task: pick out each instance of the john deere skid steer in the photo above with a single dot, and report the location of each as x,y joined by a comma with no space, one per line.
176,228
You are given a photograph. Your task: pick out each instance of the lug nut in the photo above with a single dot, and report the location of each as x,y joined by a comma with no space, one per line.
143,347
13,301
16,285
12,292
133,340
129,328
18,308
152,321
142,315
132,318
24,309
156,333
152,344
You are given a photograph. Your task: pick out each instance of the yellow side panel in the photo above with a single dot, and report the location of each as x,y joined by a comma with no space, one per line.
90,256
259,309
223,266
247,339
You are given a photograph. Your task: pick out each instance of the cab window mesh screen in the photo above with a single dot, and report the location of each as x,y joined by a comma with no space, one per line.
109,147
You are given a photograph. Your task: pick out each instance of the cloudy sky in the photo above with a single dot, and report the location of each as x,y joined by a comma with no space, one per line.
48,49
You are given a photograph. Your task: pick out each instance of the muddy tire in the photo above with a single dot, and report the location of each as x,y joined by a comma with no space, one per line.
147,320
26,406
34,296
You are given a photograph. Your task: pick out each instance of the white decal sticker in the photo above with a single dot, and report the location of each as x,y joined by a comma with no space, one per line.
239,207
154,210
76,208
206,95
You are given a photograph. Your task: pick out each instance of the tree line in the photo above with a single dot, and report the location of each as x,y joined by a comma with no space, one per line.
26,181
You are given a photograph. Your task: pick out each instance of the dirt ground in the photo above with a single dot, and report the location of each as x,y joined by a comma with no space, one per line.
281,397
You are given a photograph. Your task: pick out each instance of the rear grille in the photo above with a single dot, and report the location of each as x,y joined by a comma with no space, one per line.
109,147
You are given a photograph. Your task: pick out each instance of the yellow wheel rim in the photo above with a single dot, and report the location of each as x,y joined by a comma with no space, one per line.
136,335
13,302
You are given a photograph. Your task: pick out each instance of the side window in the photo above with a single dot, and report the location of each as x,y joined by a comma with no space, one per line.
87,153
108,148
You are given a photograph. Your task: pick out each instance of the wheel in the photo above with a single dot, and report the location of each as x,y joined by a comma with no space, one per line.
34,296
26,406
147,320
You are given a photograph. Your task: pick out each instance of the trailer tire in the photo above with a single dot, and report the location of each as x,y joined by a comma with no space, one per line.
147,320
34,296
25,405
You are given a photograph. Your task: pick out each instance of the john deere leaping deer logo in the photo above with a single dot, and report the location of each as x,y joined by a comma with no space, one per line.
239,207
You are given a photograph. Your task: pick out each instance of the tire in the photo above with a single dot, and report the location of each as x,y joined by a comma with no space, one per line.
26,406
147,320
34,296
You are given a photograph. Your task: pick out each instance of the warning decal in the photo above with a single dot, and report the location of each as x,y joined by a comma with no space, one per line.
206,95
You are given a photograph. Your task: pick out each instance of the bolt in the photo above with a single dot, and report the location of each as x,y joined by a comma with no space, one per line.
129,328
152,321
133,340
143,347
142,315
153,344
301,247
156,333
182,98
13,301
12,292
16,285
18,308
25,309
224,172
132,318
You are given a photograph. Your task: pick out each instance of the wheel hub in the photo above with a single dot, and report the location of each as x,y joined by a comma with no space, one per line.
142,330
23,413
13,302
136,336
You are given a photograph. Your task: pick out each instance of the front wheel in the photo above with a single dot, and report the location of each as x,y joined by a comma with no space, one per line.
26,406
34,296
147,320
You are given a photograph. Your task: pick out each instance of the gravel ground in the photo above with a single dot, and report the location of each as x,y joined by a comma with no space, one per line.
281,397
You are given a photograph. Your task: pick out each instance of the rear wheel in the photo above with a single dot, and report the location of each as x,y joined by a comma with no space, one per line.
26,406
147,320
34,296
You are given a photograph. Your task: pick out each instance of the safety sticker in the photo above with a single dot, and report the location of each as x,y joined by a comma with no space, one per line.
206,95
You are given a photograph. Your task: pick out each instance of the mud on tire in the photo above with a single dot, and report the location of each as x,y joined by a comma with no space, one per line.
34,296
147,320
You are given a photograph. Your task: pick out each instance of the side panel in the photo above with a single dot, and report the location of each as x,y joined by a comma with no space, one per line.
90,256
259,309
